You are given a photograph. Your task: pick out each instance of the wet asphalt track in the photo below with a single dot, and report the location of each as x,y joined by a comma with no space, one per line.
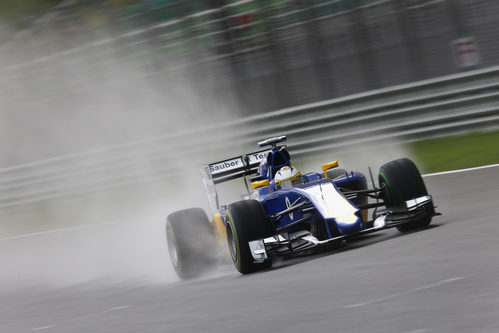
441,279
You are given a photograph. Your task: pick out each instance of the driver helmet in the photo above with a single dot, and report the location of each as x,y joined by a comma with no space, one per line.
287,177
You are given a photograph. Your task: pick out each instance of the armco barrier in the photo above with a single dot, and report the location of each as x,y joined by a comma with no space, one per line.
448,105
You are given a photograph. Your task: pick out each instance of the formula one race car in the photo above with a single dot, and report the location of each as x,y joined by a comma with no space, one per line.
287,213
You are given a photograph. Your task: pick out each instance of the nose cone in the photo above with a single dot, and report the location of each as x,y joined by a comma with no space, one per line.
349,227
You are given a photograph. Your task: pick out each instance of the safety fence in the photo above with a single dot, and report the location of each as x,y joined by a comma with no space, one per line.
452,104
273,53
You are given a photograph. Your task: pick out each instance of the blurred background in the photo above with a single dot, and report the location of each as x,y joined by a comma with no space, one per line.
272,53
216,60
108,108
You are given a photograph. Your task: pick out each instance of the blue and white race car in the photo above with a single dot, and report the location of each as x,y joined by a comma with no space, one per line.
287,212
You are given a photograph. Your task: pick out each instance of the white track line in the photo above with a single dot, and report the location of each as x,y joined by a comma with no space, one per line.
88,316
404,293
53,231
461,170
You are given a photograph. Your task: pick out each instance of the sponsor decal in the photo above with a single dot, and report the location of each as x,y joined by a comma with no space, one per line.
236,163
257,157
226,165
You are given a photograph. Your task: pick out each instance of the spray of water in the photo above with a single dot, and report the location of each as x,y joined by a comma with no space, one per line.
74,119
69,109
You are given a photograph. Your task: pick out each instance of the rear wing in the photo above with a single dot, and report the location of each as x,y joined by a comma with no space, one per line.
232,168
236,167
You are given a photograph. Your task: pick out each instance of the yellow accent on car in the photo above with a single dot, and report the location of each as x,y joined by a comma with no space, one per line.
328,166
219,230
364,215
261,183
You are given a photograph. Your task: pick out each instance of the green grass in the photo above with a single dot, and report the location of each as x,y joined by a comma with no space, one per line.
18,13
456,152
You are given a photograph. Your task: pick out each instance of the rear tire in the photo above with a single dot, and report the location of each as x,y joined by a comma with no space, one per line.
191,242
247,221
402,181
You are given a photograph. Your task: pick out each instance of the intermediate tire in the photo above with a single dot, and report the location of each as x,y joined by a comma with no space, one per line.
191,242
402,181
247,221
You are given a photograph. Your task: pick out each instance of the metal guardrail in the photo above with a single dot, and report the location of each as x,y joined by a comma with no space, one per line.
448,105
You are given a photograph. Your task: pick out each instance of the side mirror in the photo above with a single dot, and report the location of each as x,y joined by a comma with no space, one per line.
329,166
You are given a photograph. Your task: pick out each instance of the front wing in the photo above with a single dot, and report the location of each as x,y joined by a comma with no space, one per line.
291,243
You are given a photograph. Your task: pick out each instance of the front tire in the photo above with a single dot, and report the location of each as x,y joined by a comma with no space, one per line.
247,221
402,181
191,242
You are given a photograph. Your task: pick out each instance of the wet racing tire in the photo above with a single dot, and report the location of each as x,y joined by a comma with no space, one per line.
402,181
191,242
247,221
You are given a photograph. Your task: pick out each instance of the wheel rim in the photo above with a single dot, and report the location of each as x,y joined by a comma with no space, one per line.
172,246
231,242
